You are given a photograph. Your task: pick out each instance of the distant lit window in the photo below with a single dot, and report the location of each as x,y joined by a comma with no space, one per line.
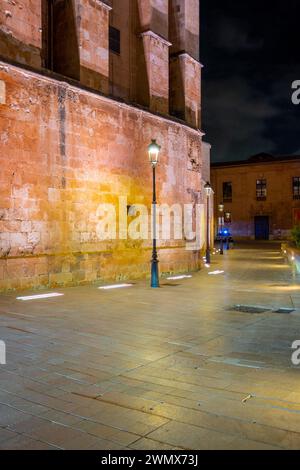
296,187
114,40
261,190
227,191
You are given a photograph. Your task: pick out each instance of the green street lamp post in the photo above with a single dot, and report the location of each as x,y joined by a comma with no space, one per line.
153,151
208,191
221,210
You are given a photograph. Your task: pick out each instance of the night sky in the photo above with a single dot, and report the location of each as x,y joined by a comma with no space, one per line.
250,50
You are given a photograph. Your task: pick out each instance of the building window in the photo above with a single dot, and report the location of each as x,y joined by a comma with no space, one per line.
114,40
261,190
296,187
227,191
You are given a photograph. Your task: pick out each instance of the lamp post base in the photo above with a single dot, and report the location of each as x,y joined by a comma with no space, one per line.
221,247
154,274
207,256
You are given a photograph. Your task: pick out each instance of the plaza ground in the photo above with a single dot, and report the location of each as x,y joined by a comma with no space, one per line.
173,368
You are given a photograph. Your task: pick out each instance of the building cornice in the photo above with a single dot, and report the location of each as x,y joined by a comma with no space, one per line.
156,36
245,163
183,53
189,56
48,76
102,4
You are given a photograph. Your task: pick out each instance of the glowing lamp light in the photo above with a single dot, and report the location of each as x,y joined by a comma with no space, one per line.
208,189
177,278
115,286
221,207
40,296
153,151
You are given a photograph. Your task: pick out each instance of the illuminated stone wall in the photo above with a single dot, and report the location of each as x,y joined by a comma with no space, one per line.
64,151
76,119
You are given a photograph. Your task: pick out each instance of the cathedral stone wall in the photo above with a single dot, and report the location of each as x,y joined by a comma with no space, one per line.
65,151
84,87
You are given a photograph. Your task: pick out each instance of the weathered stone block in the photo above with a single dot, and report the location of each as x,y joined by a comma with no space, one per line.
154,16
26,226
93,43
18,240
34,238
20,32
79,276
2,92
60,279
2,263
157,63
41,266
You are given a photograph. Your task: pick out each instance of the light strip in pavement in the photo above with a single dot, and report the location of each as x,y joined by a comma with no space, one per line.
176,278
40,296
215,273
115,286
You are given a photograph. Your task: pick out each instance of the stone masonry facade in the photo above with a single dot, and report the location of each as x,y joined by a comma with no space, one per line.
84,87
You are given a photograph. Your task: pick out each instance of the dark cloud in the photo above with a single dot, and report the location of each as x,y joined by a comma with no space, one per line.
238,114
233,36
251,57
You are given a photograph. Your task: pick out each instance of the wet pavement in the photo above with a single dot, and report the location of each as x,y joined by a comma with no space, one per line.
186,366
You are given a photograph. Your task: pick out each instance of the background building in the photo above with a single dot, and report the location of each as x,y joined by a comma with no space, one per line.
84,87
261,195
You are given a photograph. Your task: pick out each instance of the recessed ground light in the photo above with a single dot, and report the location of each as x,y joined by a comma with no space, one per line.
176,278
285,310
115,286
40,296
207,265
215,273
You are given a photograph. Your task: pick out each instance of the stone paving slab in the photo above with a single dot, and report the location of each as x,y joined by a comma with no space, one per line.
173,368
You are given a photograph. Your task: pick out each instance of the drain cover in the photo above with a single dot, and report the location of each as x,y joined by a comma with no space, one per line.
250,309
285,310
